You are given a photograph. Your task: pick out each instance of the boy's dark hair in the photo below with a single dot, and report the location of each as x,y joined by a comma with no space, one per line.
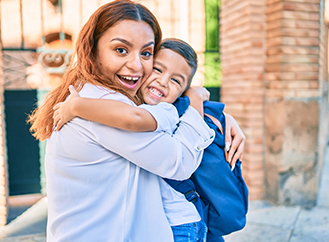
184,49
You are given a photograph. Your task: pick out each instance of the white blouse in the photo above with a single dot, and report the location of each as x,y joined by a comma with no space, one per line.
103,183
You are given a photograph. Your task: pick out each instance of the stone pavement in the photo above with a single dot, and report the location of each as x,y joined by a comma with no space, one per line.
269,223
265,222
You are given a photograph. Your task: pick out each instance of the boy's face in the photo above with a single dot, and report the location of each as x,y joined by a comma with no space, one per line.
168,80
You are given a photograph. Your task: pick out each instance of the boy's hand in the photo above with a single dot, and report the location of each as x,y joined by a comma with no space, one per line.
234,140
64,110
198,92
197,96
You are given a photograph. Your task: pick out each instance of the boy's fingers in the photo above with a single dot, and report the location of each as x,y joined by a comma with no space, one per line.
59,125
56,119
55,113
73,91
57,106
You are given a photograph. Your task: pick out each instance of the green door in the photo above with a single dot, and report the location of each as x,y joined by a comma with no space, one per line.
22,147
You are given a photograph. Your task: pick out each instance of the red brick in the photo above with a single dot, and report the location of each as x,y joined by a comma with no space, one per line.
292,67
306,7
300,15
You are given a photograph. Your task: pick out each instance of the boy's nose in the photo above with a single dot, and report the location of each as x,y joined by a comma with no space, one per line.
163,81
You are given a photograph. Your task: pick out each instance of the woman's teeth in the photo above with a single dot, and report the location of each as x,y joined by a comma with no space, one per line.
129,79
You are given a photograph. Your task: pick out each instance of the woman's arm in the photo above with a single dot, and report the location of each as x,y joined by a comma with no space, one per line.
108,112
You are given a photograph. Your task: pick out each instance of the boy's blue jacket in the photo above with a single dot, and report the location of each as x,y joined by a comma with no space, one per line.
223,194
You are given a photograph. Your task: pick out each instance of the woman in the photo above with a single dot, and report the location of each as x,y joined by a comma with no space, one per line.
103,184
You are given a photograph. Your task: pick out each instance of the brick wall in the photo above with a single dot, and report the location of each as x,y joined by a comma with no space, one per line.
242,58
292,41
274,61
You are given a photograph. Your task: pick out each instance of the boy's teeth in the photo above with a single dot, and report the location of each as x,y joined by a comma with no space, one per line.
154,91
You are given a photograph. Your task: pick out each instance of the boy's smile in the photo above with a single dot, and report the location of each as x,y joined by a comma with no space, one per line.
168,80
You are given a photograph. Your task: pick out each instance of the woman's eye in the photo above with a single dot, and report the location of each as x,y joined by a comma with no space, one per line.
157,69
147,54
121,50
175,80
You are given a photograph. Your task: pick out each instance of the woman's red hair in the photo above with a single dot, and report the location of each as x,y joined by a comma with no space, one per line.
84,69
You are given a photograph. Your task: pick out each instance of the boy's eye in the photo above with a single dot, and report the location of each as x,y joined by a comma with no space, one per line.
147,54
121,50
157,69
175,80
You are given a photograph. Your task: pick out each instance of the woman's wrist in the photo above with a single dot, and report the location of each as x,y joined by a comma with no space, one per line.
74,106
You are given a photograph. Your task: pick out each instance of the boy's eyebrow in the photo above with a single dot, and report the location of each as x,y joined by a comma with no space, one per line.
164,67
181,76
161,64
131,44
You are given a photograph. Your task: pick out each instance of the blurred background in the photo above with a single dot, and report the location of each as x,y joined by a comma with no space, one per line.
266,60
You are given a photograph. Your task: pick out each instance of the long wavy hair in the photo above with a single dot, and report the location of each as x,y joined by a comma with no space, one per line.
83,68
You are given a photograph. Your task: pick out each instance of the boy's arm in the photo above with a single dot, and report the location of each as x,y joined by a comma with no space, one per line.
108,112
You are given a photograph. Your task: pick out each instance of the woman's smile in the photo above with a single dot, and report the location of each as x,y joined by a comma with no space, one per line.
130,82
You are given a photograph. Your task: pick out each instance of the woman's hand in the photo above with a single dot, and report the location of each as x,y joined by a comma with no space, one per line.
64,110
234,140
197,96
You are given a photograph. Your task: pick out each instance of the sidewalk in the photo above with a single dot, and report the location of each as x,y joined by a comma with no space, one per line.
265,222
269,223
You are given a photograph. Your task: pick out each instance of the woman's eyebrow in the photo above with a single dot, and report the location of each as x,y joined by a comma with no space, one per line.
149,44
131,44
123,41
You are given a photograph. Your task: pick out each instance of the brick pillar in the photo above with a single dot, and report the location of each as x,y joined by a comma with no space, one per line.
295,101
242,90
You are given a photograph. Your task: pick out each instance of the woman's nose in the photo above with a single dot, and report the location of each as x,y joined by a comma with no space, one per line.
134,63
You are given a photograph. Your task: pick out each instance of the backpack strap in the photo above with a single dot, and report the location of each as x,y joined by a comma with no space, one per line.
186,187
220,127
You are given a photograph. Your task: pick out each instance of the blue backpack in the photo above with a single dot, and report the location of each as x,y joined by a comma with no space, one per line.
219,194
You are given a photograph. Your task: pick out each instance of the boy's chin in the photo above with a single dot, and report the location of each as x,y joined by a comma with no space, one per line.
151,101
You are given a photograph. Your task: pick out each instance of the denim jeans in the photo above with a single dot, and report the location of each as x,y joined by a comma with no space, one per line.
192,232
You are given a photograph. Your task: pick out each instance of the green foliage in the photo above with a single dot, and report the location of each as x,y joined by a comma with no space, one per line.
213,72
212,66
212,25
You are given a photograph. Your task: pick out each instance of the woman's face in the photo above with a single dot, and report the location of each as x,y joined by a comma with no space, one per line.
125,53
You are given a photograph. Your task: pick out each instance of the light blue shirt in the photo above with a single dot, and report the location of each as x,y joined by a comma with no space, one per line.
103,183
